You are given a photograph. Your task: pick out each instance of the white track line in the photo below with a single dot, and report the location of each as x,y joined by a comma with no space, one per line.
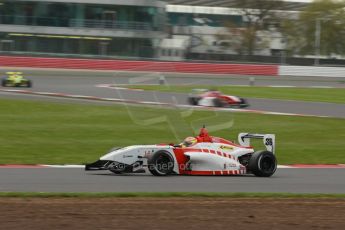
65,166
123,86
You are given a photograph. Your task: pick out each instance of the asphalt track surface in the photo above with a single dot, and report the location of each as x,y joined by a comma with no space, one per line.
77,180
84,83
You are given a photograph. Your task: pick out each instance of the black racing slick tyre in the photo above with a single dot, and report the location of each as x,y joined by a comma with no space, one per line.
193,100
29,84
263,163
243,103
218,102
3,82
161,163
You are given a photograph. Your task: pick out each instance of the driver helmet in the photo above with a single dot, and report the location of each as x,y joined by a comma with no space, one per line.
189,141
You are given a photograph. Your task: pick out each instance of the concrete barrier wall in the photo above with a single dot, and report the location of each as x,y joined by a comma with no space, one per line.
311,71
124,65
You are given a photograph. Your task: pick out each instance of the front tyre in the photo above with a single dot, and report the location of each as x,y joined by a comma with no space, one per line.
193,100
161,163
263,163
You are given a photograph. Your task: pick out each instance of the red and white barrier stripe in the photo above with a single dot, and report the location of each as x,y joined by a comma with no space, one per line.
149,66
166,66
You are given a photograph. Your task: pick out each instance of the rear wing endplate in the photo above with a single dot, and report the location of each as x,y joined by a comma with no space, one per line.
268,140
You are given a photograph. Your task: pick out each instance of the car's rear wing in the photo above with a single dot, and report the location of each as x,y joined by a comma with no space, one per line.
268,140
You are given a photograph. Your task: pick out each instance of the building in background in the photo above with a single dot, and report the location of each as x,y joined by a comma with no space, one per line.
167,30
202,25
121,28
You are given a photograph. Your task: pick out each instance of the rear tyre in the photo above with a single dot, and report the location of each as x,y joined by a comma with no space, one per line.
3,82
263,163
243,103
29,84
218,102
161,163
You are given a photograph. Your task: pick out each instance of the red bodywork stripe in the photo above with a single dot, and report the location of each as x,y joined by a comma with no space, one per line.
183,159
217,172
201,173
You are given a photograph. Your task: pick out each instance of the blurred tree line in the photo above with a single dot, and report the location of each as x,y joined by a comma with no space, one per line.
323,18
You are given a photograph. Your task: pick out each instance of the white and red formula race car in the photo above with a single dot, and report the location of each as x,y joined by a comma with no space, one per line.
201,155
214,98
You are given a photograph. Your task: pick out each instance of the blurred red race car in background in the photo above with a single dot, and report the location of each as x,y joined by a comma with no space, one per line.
214,98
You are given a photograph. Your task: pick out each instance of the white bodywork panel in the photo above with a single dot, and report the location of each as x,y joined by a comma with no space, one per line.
207,161
209,101
130,154
206,101
204,157
208,156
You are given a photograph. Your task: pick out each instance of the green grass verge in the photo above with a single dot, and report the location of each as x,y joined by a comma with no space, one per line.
166,195
300,94
35,132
